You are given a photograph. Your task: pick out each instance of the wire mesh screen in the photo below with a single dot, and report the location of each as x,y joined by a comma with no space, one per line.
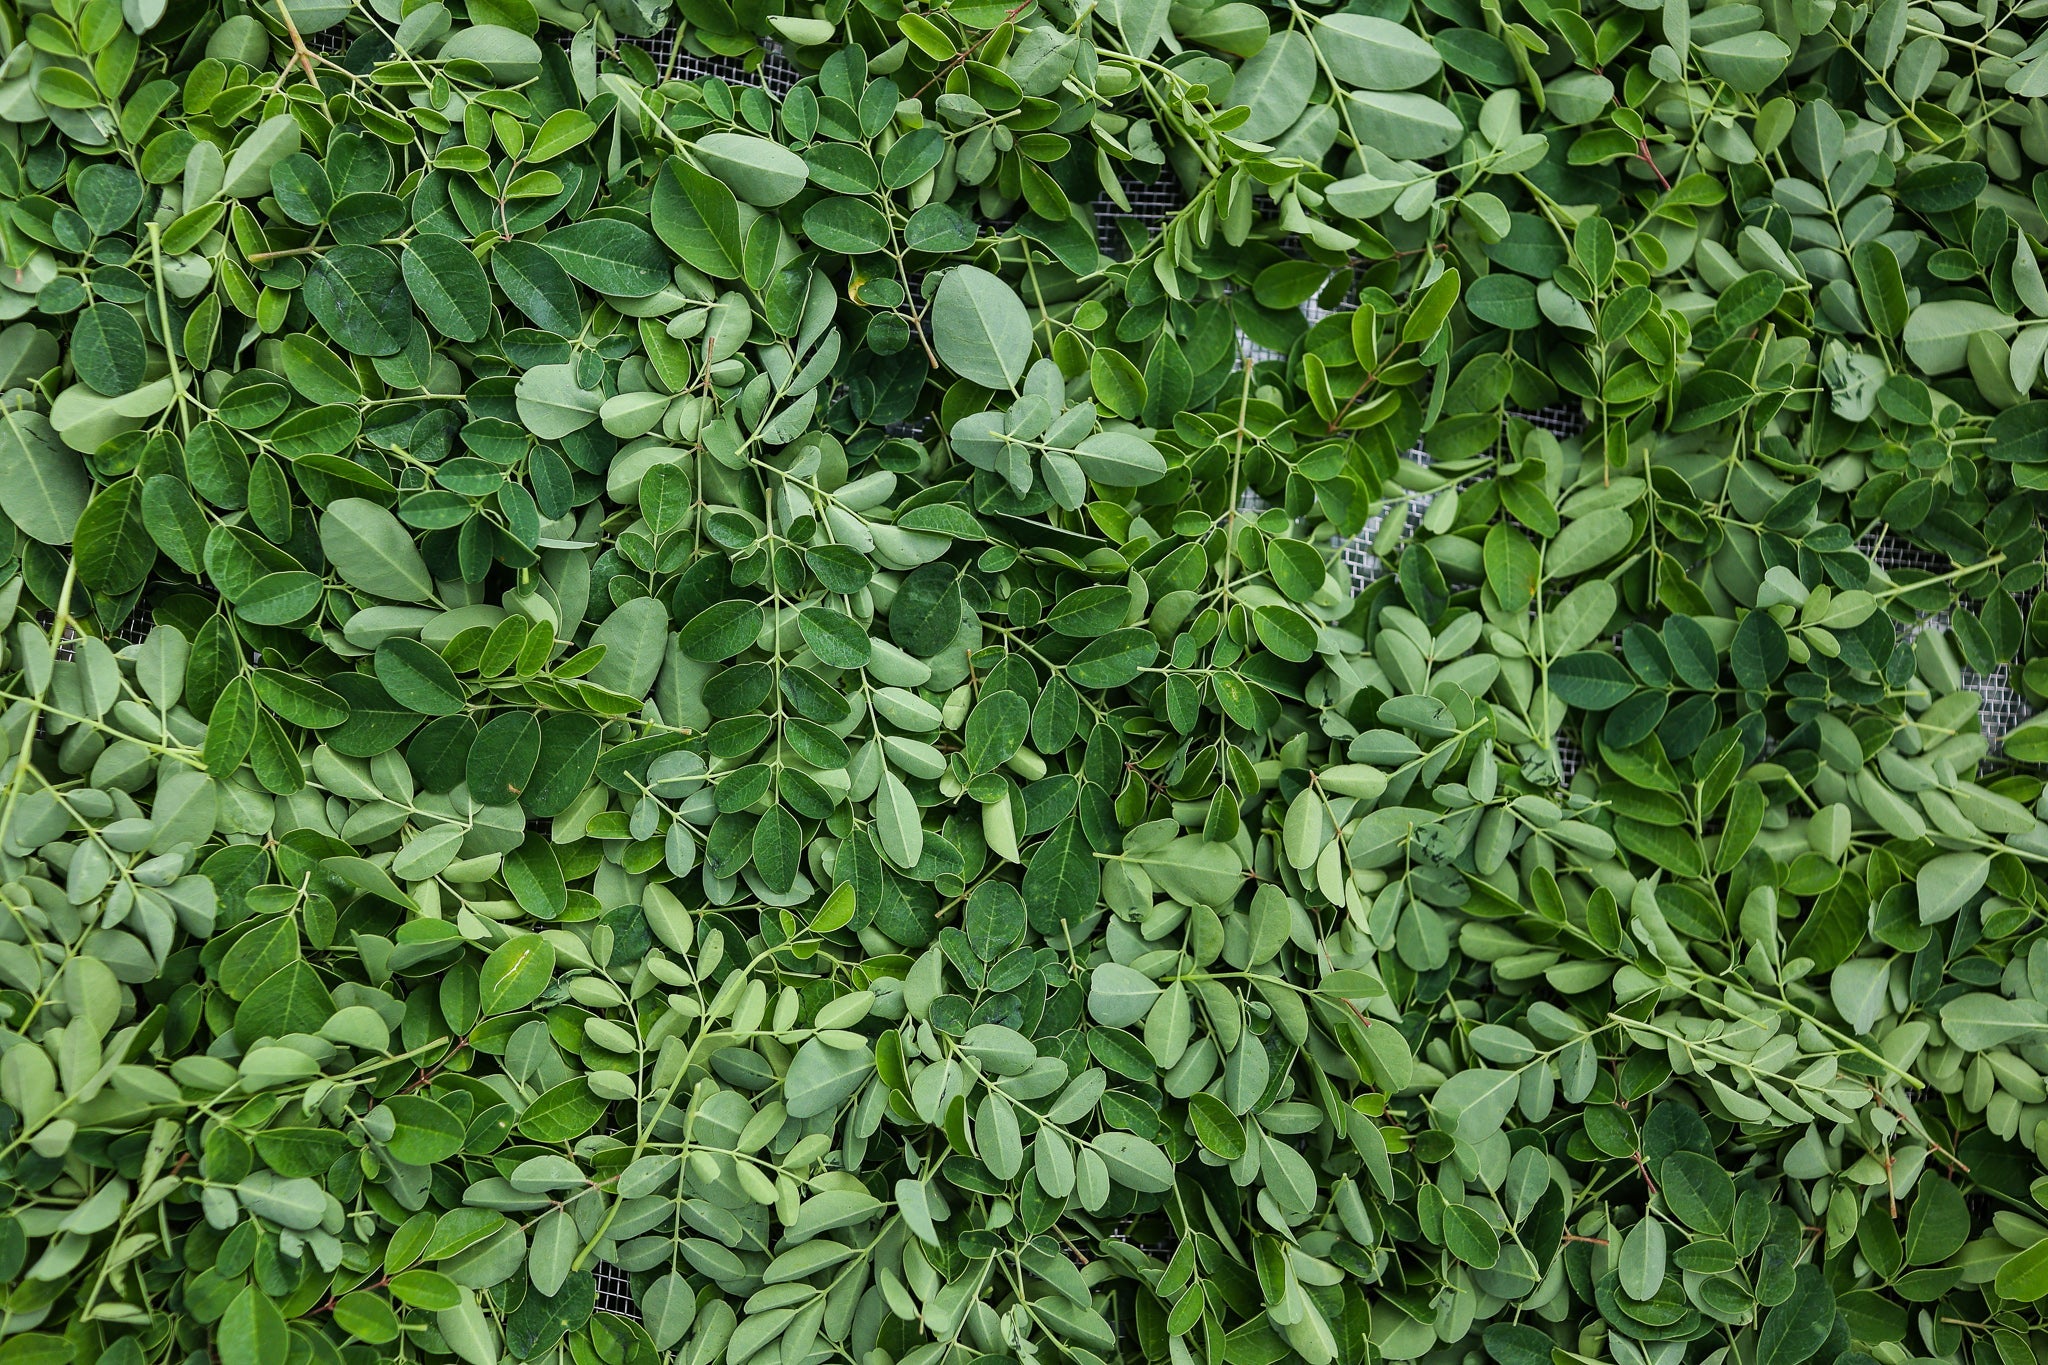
1357,554
775,73
614,1290
2004,706
1121,227
132,631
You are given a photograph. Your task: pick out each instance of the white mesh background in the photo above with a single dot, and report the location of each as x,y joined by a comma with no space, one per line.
132,631
614,1290
1150,205
775,74
2004,705
1357,554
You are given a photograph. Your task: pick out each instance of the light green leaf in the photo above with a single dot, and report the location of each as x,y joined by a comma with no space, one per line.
552,404
1134,1162
371,551
980,328
1406,125
1938,332
43,487
824,1073
1370,53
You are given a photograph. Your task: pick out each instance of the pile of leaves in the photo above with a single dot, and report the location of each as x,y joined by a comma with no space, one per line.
779,702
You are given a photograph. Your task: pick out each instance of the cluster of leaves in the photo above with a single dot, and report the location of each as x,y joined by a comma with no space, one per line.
603,670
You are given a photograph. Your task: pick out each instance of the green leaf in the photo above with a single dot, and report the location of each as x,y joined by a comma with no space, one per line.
503,757
108,351
1118,459
417,678
1475,1102
668,1307
1215,1127
465,1327
698,218
569,747
1275,84
1939,1223
1113,660
44,488
1642,1259
980,328
515,974
1370,53
1760,652
1470,1238
837,639
1061,881
358,296
564,1113
231,728
299,700
448,286
371,551
302,189
2023,1278
1296,567
1134,1162
1117,383
1946,882
1747,61
763,173
425,1132
251,1331
897,824
538,286
113,546
610,256
1794,1330
1979,1021
721,630
1697,1191
366,1317
851,227
1882,287
552,404
823,1074
995,731
1119,996
1406,125
1591,680
1590,540
1937,333
291,999
1285,631
778,842
248,170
